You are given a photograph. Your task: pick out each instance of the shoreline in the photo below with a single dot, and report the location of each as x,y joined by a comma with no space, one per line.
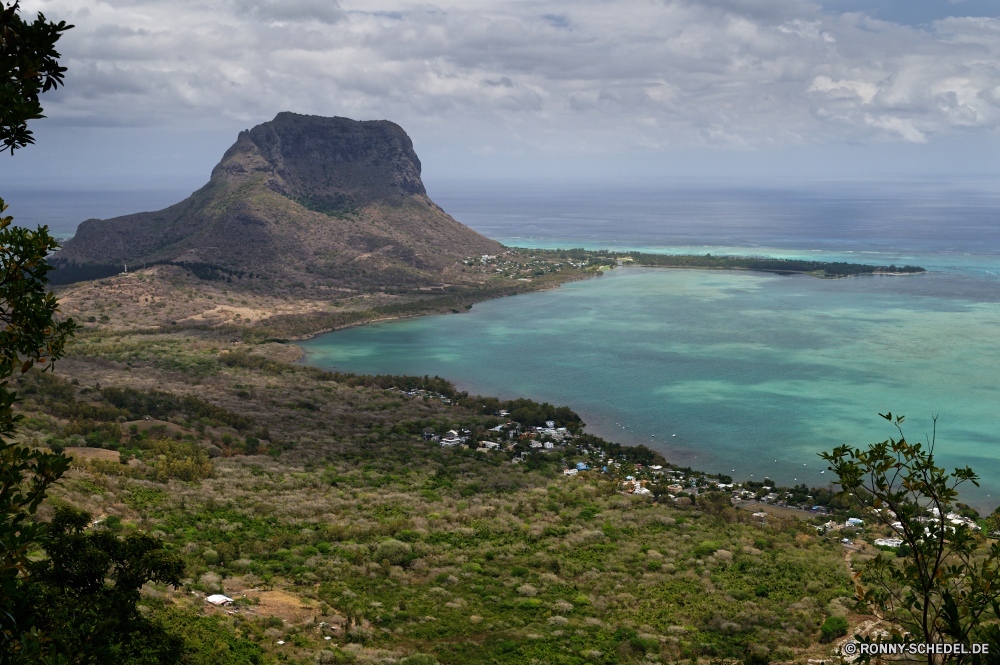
578,278
549,287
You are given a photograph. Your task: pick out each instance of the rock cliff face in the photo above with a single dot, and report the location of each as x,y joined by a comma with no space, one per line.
331,198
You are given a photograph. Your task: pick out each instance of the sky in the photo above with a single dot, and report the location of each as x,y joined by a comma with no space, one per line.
156,90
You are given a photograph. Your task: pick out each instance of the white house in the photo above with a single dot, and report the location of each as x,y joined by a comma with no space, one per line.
888,542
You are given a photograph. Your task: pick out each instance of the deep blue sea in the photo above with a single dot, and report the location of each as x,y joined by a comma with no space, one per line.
748,373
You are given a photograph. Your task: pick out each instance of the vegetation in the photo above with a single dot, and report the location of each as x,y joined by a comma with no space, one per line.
767,264
332,514
69,272
944,589
358,528
29,66
84,595
190,458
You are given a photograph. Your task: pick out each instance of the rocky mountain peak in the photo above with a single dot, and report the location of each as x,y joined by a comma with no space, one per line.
334,161
329,201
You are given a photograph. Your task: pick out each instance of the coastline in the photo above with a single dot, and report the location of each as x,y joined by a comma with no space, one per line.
557,283
430,311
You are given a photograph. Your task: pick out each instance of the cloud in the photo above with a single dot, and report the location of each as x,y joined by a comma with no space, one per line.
555,76
899,126
324,11
845,89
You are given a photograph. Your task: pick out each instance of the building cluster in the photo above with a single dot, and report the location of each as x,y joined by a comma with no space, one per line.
450,438
420,392
508,264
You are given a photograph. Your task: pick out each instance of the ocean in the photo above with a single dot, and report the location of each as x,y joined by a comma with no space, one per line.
744,373
749,374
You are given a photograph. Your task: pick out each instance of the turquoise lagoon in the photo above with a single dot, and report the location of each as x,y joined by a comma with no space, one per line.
750,374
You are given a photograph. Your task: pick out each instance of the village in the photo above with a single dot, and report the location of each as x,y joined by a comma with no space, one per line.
682,487
514,264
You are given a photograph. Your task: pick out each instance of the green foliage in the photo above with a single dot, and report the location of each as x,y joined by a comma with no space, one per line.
30,335
419,659
205,642
161,404
83,597
394,551
945,589
833,628
765,264
184,460
29,66
705,548
338,207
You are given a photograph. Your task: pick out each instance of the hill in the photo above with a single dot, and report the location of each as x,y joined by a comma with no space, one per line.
328,201
314,500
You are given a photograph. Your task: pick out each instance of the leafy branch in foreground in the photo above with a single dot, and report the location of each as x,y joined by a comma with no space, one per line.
29,335
29,66
945,590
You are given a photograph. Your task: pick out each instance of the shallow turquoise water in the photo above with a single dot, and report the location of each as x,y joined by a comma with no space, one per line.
745,368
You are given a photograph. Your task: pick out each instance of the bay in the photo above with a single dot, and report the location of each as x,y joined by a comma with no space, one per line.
745,368
745,373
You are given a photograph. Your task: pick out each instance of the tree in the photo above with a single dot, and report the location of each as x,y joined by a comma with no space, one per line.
84,596
29,66
30,333
945,589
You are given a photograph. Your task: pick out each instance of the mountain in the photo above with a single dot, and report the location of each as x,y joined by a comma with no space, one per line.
309,198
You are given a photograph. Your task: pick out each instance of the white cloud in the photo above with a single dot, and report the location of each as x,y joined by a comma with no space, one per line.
904,128
555,76
845,89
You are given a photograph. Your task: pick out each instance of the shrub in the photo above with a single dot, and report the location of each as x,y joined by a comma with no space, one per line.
833,628
643,645
396,551
706,548
419,659
527,590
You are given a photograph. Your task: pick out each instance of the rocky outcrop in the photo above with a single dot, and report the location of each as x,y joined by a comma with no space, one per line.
333,198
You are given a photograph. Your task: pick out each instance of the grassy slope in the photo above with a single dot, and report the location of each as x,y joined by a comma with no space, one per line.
489,561
498,563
